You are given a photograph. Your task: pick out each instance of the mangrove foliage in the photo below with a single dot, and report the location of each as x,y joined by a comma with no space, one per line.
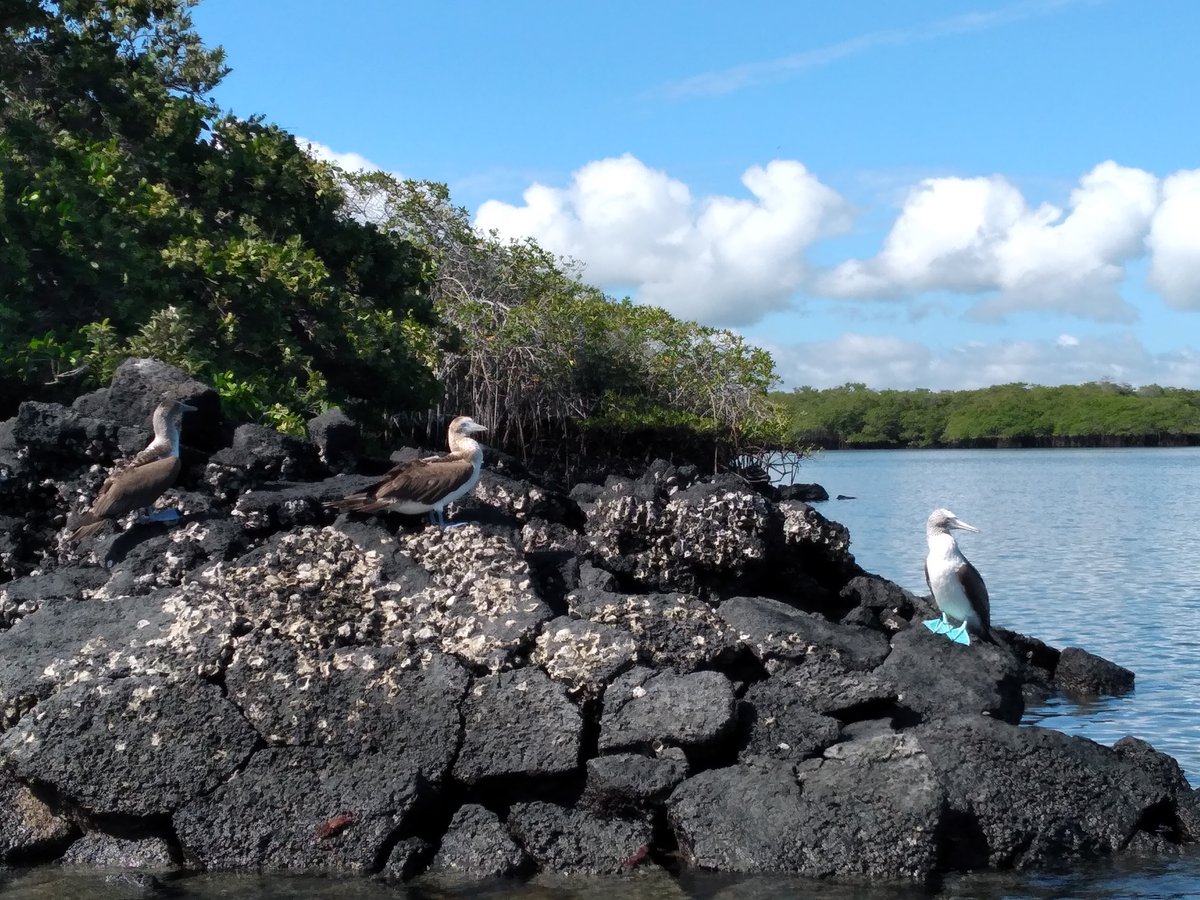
137,218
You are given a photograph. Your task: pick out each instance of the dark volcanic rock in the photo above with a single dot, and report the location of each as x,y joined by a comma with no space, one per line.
312,587
257,456
272,506
518,724
872,808
774,721
1023,797
138,746
630,780
815,546
302,808
774,630
22,596
738,819
825,686
29,829
576,840
809,493
360,700
106,851
53,435
880,603
1082,673
1178,819
643,709
937,678
478,846
336,437
263,454
407,859
139,565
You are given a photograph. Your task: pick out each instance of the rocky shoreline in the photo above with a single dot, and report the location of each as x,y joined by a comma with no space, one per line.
662,672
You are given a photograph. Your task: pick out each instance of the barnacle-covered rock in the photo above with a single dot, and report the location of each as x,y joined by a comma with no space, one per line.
710,535
480,606
584,655
675,631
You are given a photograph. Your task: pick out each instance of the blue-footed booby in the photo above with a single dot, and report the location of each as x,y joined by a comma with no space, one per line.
138,482
956,586
429,484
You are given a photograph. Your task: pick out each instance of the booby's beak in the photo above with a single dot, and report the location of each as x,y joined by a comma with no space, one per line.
473,427
959,523
186,407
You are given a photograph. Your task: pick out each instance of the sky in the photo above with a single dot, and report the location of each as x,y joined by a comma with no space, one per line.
902,193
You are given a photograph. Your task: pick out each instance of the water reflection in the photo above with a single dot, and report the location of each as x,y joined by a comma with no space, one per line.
1123,877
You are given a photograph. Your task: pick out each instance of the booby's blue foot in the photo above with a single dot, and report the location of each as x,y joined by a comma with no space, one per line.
959,635
161,515
937,626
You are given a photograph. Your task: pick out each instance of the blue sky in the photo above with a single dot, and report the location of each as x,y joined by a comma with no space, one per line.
907,194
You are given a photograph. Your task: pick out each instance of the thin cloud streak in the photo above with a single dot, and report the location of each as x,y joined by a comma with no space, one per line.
727,81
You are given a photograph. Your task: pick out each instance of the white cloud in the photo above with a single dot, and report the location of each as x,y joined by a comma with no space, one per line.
979,235
350,161
881,362
721,260
1174,241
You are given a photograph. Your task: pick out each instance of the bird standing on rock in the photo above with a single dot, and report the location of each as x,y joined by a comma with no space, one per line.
956,585
426,485
138,482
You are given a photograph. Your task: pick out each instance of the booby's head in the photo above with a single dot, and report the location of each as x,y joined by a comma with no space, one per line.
461,430
942,520
168,417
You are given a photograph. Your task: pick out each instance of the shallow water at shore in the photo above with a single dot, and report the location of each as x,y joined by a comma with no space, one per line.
1158,878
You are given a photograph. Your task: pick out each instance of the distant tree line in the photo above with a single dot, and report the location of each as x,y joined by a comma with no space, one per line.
138,219
1101,413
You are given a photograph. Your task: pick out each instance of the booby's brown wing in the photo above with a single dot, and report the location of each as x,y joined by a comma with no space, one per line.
976,590
424,481
131,488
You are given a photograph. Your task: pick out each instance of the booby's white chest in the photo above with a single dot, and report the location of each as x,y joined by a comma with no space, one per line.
942,566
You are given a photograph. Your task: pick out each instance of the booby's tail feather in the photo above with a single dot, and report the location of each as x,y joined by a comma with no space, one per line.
86,530
363,503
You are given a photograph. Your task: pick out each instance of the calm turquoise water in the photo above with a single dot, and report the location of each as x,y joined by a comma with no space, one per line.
1093,548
